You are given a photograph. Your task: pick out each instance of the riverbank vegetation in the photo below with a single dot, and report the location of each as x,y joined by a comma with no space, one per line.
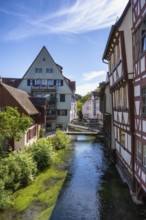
21,169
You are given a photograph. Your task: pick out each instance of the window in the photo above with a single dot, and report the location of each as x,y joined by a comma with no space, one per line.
31,133
114,99
62,97
144,155
139,40
51,112
143,96
143,48
30,82
62,112
124,96
139,150
119,97
38,70
122,137
51,70
50,82
38,82
44,59
59,82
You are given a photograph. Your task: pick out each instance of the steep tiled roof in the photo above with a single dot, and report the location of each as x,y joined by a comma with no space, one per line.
22,98
71,84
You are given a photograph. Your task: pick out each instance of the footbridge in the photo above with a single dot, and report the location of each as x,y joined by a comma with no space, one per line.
77,129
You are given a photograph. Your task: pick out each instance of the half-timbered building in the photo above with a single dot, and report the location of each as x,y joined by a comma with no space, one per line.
139,65
118,55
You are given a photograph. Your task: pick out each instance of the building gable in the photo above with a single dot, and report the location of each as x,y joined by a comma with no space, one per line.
44,68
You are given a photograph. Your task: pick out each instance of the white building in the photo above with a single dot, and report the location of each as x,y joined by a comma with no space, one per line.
90,108
44,78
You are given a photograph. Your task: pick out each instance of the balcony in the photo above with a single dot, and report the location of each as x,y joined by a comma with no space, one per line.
51,117
38,88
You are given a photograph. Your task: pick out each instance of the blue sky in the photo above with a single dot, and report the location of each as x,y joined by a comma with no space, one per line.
74,32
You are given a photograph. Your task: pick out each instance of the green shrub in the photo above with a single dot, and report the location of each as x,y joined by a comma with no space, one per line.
60,140
17,170
28,168
42,132
5,200
12,181
42,153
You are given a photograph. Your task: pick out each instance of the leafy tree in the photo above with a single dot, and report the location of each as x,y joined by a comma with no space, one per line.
78,97
79,109
86,97
13,124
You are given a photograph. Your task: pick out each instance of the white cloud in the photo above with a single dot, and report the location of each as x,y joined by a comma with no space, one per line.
93,78
80,17
93,75
84,88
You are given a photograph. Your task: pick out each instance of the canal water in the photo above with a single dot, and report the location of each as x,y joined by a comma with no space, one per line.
81,196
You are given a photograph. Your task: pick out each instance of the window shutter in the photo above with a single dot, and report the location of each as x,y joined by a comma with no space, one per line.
65,112
61,82
54,82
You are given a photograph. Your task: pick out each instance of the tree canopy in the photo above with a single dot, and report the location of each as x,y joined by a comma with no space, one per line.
13,124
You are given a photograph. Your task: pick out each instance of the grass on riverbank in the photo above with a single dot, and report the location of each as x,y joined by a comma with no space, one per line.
44,191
